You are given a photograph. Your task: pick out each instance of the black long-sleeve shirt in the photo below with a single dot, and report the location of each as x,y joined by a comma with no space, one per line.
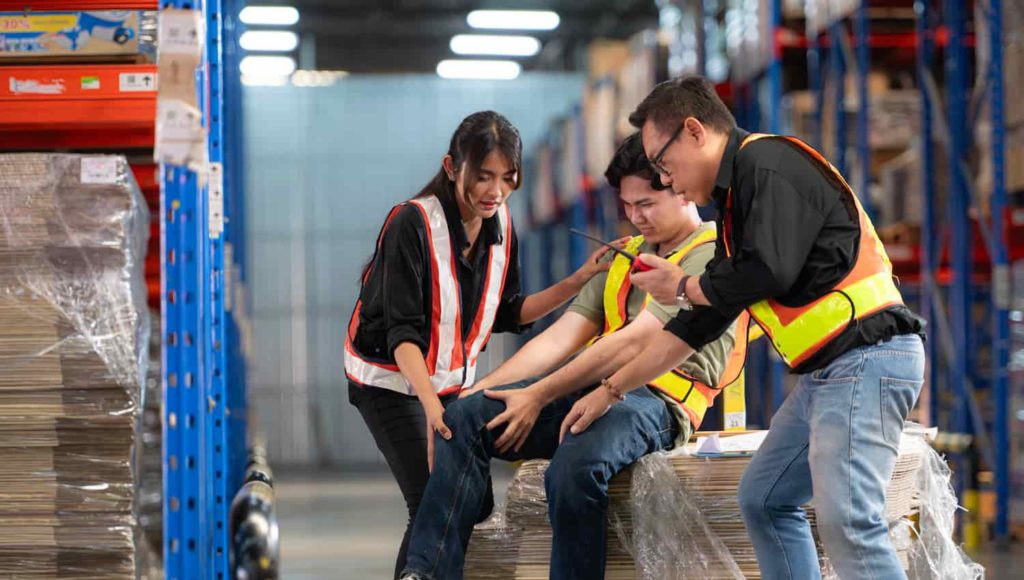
794,235
397,296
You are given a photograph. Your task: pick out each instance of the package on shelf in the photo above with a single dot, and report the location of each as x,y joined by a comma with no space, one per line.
637,77
599,106
73,350
676,514
894,117
1013,64
605,58
85,33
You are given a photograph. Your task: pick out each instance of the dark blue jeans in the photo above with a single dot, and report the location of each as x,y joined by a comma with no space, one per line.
576,481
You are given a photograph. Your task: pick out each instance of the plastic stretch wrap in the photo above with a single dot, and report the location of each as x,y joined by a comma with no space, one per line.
676,515
73,355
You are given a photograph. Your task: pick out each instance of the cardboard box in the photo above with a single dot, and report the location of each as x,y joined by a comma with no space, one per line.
606,58
93,33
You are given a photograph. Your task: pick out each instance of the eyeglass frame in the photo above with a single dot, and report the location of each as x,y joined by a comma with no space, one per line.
656,160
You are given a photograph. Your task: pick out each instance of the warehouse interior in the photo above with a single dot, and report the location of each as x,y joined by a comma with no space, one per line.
190,191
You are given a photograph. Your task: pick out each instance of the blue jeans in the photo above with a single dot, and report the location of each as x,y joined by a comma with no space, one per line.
836,439
576,481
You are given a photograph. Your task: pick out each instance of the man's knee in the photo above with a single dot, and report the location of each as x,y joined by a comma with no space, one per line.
472,413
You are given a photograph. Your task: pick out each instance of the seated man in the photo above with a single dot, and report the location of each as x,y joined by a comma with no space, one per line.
530,420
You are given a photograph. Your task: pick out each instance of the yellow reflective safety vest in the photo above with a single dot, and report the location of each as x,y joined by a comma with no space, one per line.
797,333
694,396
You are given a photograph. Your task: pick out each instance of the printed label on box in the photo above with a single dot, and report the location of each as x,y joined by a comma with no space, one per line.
216,199
37,86
137,82
99,170
180,32
90,83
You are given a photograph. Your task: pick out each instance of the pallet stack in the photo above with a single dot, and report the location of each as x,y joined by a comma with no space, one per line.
73,346
669,517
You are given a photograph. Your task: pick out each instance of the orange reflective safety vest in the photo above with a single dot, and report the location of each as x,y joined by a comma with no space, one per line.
797,333
451,358
694,396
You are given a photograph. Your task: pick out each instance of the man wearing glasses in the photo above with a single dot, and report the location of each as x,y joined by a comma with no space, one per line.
798,253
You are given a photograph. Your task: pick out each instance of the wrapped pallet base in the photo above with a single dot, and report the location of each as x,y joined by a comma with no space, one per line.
675,516
73,337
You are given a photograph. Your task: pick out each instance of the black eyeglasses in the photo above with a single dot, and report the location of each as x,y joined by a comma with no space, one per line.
656,160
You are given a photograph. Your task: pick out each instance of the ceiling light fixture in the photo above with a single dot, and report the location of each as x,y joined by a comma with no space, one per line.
257,66
513,19
504,70
269,40
269,15
490,44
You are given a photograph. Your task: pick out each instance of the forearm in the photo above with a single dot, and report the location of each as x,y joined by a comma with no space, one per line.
662,353
595,363
414,368
535,359
540,304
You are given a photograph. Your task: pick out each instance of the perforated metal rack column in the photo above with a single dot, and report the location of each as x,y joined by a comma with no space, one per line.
199,477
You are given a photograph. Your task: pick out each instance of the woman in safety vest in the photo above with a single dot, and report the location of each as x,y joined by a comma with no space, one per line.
444,276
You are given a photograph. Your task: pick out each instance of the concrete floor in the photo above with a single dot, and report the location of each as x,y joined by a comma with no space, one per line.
349,526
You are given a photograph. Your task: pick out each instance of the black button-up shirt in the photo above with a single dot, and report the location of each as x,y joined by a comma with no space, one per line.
397,297
794,235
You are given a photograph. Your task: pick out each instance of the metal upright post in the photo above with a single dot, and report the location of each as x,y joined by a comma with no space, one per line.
778,368
838,66
214,400
1001,289
863,43
959,203
815,80
195,427
929,255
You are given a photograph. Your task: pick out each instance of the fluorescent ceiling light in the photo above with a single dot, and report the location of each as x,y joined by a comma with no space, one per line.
495,45
256,66
271,40
269,15
513,19
504,70
317,78
264,80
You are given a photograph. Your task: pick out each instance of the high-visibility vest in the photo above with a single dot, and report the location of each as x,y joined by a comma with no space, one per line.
797,333
451,357
694,396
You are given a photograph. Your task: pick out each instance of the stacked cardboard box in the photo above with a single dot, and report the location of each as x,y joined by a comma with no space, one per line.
669,517
73,337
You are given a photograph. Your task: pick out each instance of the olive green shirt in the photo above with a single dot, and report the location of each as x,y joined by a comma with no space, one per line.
705,365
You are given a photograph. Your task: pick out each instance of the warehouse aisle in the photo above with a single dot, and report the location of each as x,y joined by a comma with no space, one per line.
347,526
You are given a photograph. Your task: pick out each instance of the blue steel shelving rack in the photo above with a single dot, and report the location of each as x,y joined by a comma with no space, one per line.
204,369
955,330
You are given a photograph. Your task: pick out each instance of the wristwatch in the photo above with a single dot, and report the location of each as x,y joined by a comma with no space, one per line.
682,300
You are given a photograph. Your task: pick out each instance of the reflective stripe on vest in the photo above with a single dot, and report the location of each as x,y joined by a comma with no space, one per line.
451,358
799,332
694,396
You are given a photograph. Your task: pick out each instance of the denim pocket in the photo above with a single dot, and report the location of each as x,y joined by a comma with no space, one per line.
897,399
844,369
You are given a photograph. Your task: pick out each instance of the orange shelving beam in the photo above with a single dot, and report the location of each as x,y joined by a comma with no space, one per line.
75,5
77,106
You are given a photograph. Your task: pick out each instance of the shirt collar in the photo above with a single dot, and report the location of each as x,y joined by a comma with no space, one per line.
490,231
725,169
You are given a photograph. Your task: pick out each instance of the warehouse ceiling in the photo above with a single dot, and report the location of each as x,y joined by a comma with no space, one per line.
390,36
